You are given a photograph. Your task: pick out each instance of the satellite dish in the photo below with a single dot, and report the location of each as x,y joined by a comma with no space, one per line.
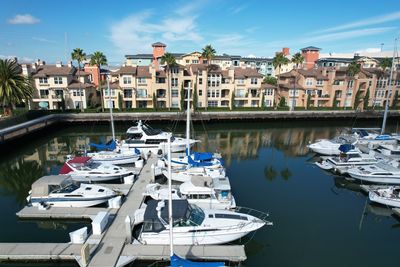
43,104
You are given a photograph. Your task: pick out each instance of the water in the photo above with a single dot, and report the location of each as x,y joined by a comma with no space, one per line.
319,219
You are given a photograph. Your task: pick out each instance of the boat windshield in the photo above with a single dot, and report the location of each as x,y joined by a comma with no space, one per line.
67,189
194,217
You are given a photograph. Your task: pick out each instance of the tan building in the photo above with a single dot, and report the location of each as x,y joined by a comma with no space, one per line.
58,84
333,87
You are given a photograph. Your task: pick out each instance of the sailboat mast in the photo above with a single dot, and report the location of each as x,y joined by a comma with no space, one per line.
390,88
171,248
188,121
110,106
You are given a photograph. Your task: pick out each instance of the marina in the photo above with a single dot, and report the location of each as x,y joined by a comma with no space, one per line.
237,164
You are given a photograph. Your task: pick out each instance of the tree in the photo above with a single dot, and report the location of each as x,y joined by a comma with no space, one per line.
270,173
357,99
395,99
282,102
262,105
270,80
286,174
78,55
297,59
233,101
308,103
353,69
385,63
366,100
98,59
154,101
208,53
169,60
14,88
277,62
195,97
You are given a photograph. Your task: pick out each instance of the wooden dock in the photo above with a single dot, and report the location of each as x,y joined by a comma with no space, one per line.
61,213
39,251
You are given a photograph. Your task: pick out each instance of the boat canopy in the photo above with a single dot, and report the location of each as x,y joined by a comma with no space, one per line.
47,184
198,163
179,207
346,147
79,160
177,261
202,156
110,145
221,183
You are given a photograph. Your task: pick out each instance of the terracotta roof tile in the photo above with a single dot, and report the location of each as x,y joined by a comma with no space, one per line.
143,72
51,70
126,70
246,73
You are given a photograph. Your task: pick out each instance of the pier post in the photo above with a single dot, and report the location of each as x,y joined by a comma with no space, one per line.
153,177
85,254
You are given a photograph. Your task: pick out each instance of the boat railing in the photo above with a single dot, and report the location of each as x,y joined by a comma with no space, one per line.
256,213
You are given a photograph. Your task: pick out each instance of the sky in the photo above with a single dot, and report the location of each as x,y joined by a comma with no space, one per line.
50,30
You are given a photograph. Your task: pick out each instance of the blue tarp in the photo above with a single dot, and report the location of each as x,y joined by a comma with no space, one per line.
346,147
177,261
198,163
110,145
202,156
383,137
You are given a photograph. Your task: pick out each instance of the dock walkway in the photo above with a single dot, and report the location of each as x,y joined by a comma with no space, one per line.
39,251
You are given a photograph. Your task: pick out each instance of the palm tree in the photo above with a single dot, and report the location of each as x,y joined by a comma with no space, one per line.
297,59
169,60
14,88
270,173
78,55
277,62
208,53
353,69
286,174
98,59
385,63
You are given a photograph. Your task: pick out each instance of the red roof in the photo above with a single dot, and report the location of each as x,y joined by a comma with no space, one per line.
65,169
79,160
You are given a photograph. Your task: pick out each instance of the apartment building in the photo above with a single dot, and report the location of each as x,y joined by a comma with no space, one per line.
58,85
333,87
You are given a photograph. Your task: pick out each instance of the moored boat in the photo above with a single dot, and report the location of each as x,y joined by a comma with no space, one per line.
389,196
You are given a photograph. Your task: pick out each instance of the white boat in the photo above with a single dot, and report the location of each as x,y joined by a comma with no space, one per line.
197,159
392,151
389,196
143,137
205,192
346,160
62,191
115,157
381,173
372,138
331,147
185,174
193,225
84,169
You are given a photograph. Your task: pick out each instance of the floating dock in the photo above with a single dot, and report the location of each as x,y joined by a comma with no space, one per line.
114,246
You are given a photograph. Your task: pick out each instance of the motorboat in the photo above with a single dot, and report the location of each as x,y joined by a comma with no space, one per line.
84,169
185,174
63,191
143,137
370,137
348,158
193,225
390,150
116,157
381,173
205,192
331,147
389,196
197,159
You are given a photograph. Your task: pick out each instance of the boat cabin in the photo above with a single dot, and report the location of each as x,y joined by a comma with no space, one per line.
53,184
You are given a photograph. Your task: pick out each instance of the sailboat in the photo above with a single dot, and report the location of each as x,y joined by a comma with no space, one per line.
111,152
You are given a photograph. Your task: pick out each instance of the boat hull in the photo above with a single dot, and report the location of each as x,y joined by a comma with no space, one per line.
384,200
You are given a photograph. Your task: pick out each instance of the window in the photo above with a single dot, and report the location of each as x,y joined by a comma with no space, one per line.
212,103
200,80
214,80
160,80
175,103
58,80
142,93
309,92
253,80
380,93
187,61
128,104
268,103
241,93
127,80
174,82
350,84
320,82
200,92
269,91
195,61
240,81
293,92
141,80
174,93
127,92
309,81
175,70
44,93
213,93
77,93
43,80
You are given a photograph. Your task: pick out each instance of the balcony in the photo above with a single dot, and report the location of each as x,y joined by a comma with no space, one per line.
57,97
143,97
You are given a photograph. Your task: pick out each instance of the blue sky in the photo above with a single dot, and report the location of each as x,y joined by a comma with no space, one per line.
37,29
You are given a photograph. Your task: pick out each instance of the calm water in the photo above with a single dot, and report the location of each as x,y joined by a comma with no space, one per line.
319,219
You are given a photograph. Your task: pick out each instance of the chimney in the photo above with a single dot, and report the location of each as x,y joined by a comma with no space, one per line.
58,64
69,63
285,51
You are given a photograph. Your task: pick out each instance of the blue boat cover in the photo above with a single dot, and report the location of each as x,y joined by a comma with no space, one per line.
383,137
198,163
110,145
202,156
177,261
346,147
137,151
362,133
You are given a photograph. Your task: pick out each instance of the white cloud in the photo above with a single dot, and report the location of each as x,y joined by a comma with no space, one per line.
369,50
235,10
20,59
365,22
44,40
135,33
23,19
345,35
